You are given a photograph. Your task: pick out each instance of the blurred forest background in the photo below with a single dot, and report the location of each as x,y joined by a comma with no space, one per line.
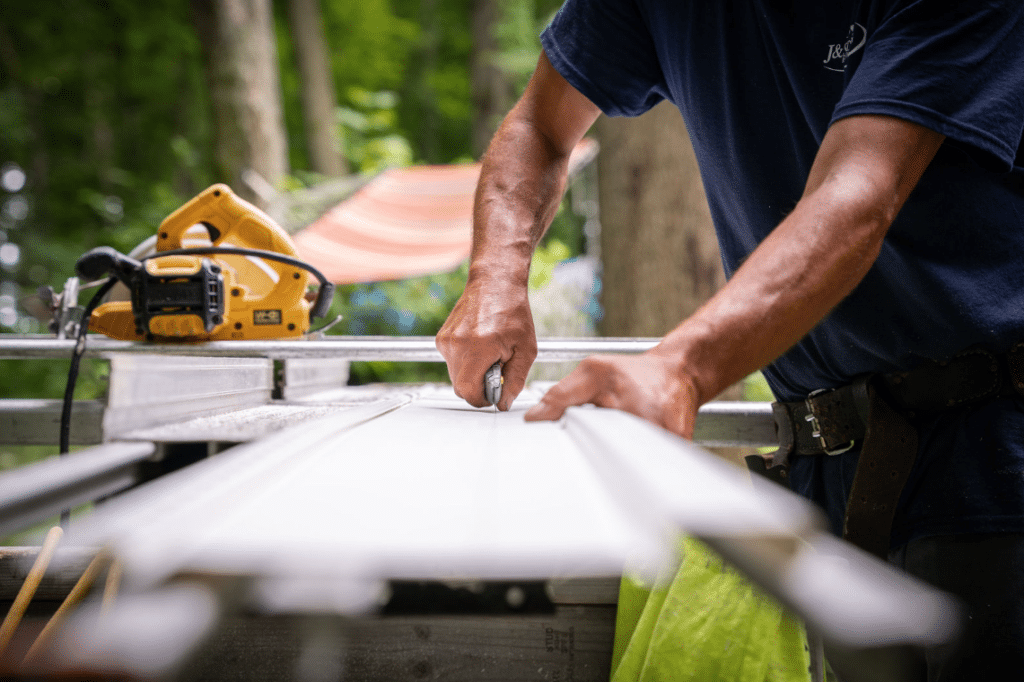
114,113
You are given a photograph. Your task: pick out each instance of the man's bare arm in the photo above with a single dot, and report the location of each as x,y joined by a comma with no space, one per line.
864,171
521,185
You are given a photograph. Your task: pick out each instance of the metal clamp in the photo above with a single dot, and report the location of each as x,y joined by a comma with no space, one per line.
816,425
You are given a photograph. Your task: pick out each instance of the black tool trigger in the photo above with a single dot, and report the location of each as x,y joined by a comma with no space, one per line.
213,231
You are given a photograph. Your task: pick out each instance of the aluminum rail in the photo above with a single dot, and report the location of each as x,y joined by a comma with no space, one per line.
355,348
38,491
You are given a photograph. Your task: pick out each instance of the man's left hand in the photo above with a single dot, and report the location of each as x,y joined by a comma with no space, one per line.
647,385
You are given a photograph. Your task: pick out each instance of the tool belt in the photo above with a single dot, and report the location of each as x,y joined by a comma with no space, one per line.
878,411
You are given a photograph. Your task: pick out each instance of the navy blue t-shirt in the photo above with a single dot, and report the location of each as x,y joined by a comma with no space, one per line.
758,83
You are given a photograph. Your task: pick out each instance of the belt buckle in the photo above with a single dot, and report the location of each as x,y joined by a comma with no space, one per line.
816,426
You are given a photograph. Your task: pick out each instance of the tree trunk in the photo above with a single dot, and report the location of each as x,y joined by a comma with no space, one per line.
316,87
658,245
491,88
240,56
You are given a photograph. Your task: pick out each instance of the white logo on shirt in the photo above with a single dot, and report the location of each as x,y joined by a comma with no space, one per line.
838,53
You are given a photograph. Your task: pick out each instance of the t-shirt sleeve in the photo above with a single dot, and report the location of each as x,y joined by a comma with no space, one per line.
953,66
604,49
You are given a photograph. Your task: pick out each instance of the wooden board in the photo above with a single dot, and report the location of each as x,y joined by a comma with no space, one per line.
573,644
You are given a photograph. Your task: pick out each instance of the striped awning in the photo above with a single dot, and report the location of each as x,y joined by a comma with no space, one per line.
403,223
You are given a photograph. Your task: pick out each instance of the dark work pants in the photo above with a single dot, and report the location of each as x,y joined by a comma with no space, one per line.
986,572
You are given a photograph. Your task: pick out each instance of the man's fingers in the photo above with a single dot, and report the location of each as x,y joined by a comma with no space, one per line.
491,322
582,386
643,386
545,411
469,385
444,347
515,371
514,375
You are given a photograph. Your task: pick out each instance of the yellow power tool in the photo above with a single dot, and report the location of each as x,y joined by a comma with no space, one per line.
247,284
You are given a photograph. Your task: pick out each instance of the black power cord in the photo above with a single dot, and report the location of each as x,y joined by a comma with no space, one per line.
76,361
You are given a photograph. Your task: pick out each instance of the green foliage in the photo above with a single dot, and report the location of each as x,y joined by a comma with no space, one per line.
14,456
103,108
435,110
372,44
517,31
417,50
567,227
415,306
370,49
545,258
369,131
755,388
106,93
106,102
518,36
47,378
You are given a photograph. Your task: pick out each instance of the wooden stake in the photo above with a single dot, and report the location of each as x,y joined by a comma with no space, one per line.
74,597
29,587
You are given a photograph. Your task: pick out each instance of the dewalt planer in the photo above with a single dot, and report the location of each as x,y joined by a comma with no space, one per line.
242,280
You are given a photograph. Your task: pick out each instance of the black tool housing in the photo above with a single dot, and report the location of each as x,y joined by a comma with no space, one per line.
200,294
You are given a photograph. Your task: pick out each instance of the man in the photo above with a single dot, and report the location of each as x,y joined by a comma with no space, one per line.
864,168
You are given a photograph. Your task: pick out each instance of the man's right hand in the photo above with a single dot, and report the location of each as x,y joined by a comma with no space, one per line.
521,184
491,322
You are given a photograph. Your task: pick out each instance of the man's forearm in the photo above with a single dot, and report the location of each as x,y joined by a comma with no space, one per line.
864,171
524,171
814,259
819,253
521,185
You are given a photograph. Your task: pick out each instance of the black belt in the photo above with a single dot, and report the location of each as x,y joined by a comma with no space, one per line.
877,411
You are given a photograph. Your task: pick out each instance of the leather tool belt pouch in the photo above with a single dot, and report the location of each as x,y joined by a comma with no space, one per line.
878,411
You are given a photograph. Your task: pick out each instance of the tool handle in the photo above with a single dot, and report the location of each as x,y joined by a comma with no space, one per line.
229,219
492,383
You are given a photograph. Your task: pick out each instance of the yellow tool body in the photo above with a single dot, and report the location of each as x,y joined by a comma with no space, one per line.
183,297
